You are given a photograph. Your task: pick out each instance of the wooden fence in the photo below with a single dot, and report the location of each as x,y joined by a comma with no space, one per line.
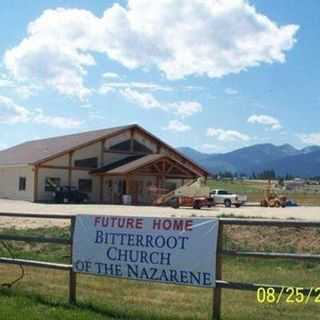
220,283
42,239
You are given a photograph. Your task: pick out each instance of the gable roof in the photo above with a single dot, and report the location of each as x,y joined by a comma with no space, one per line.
130,164
34,151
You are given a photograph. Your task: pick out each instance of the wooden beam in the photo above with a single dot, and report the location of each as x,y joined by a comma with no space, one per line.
65,167
179,167
216,303
102,152
70,169
127,179
40,239
131,139
36,264
170,168
156,167
153,174
35,184
101,189
125,152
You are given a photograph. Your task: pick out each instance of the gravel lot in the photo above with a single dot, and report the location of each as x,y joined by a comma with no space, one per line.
309,213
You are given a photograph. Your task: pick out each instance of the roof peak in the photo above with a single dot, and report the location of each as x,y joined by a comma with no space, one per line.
34,151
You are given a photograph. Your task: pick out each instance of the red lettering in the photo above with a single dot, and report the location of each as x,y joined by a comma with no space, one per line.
166,224
188,226
156,224
130,222
139,223
178,225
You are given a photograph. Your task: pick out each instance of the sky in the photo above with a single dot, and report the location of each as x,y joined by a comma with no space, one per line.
214,75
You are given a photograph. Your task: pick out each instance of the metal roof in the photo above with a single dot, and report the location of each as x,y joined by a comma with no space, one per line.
34,151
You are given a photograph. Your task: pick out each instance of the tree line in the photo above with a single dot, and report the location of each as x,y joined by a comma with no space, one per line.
263,175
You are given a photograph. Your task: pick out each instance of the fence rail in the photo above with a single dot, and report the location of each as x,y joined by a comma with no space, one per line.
220,283
44,264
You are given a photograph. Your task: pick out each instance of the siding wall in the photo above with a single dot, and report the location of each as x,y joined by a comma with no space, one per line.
91,151
9,183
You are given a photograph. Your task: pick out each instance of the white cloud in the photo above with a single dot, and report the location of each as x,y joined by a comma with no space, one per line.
5,83
185,108
144,100
180,38
93,115
265,120
22,90
105,89
111,75
227,135
111,86
148,101
231,92
178,126
11,113
54,121
310,138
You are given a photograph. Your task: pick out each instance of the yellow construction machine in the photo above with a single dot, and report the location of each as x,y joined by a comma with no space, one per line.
272,199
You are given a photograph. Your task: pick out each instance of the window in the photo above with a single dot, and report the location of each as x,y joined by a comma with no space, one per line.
87,163
51,183
223,192
126,145
85,185
22,183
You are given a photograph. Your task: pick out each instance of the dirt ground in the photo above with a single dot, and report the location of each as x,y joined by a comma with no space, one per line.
308,213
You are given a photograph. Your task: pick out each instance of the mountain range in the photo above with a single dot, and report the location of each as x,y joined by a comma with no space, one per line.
284,159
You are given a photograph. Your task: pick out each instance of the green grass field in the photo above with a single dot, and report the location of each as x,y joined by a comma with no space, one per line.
43,294
254,189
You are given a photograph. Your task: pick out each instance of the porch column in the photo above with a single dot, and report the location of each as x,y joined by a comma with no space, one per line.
127,179
70,169
163,177
101,189
35,184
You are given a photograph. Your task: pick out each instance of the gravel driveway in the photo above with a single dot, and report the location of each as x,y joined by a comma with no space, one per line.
309,213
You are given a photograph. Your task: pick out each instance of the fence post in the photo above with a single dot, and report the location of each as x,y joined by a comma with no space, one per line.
216,305
72,274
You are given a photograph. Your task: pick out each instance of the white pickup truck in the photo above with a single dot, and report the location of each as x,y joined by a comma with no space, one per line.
228,199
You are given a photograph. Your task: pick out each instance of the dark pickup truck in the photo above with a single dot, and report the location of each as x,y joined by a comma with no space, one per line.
69,195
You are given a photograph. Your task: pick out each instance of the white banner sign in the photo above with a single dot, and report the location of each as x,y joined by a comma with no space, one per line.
170,250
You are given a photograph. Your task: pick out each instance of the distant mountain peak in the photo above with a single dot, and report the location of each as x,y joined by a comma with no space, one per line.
310,149
283,159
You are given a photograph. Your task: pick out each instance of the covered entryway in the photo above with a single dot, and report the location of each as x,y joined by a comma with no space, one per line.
144,179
